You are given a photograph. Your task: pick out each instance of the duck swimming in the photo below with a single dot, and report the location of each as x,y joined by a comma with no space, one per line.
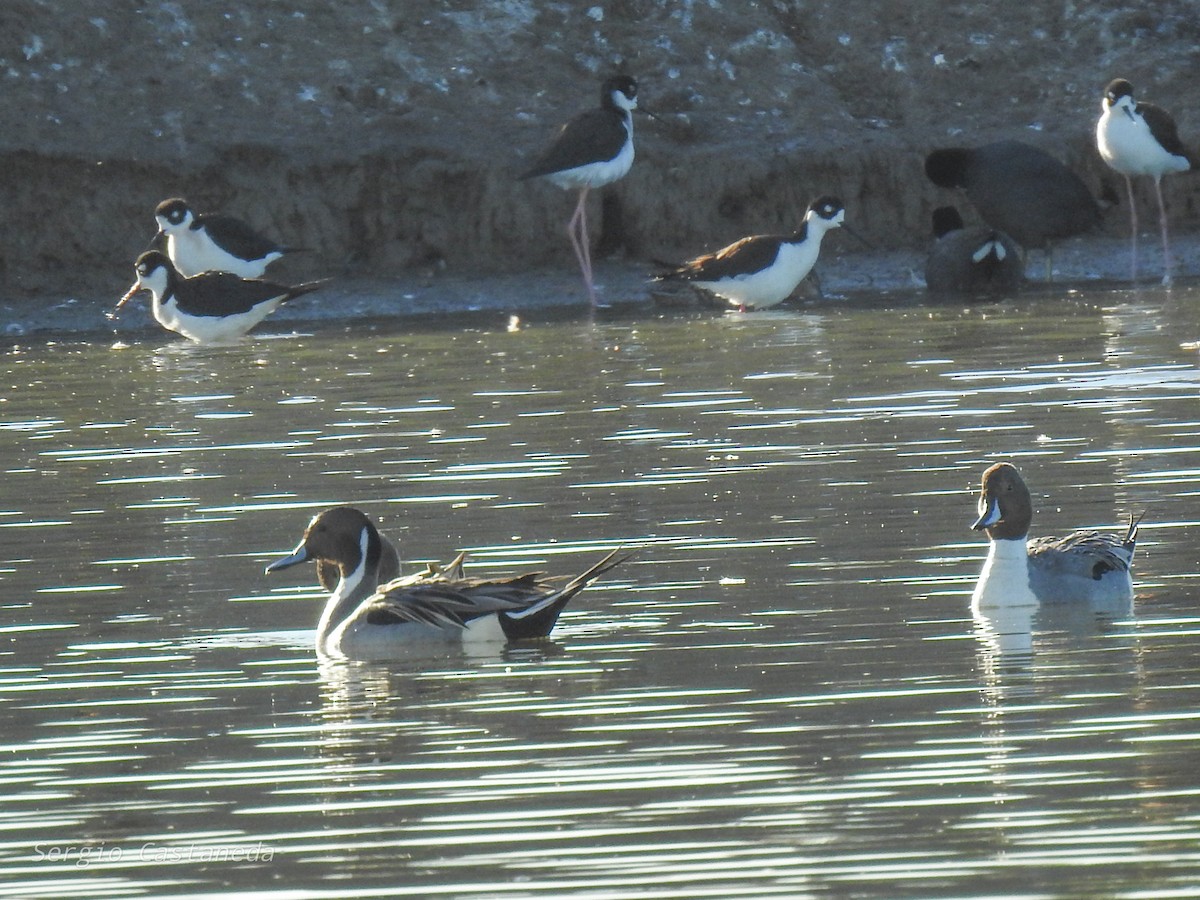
368,616
1088,566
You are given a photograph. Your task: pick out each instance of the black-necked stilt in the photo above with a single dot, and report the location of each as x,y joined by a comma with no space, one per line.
593,149
1019,189
763,270
212,307
977,260
1141,139
209,242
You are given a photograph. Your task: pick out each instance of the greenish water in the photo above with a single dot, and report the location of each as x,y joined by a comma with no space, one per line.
784,694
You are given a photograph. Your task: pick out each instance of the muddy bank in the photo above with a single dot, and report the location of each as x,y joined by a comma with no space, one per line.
1086,270
385,137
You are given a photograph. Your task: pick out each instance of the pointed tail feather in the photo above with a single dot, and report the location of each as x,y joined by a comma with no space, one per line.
538,619
1130,541
614,559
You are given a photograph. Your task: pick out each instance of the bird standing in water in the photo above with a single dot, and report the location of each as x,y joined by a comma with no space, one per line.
1141,139
593,149
763,270
209,308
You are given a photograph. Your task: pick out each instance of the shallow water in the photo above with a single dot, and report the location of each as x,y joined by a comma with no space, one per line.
784,694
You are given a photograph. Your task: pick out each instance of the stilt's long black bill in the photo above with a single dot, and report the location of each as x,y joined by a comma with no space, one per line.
854,233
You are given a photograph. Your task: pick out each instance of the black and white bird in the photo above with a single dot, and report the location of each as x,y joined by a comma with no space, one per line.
1020,190
976,261
1141,139
212,307
367,617
593,149
209,242
763,270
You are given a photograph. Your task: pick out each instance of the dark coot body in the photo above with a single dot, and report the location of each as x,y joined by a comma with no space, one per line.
977,261
1018,189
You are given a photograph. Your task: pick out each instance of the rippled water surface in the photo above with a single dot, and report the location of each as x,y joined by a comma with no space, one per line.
784,694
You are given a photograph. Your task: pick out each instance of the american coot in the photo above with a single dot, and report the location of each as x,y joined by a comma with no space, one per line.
1141,139
979,260
1019,189
593,149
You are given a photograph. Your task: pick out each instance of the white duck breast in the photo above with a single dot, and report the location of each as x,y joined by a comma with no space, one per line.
345,597
1004,579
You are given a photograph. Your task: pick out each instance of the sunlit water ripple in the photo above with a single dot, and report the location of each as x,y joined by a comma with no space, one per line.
784,694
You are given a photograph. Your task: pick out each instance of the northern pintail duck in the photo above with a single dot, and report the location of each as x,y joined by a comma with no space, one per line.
977,261
210,242
1083,566
367,616
763,270
212,307
1019,189
593,149
1141,139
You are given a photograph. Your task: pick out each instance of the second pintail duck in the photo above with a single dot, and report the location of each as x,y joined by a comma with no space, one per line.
1087,566
368,617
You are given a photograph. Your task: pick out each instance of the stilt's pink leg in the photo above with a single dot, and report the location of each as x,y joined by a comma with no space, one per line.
577,232
1168,259
1133,229
586,244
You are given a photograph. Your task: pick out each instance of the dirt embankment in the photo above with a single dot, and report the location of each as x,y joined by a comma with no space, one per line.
385,136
